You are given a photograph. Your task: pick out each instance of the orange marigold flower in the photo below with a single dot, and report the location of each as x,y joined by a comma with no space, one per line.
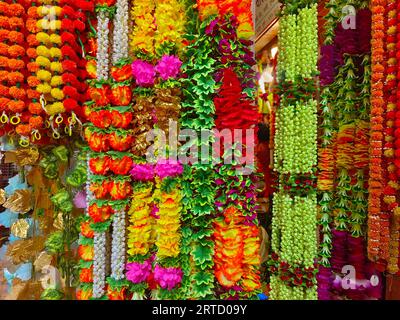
35,108
3,7
3,103
32,41
3,62
16,106
23,129
4,22
33,81
32,67
16,37
15,22
36,122
3,75
31,26
31,53
17,93
86,275
32,94
16,51
3,34
33,12
3,49
15,64
15,77
15,9
3,91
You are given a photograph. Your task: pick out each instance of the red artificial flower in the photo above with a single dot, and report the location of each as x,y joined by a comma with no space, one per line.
121,95
120,142
70,104
86,230
100,214
100,190
79,25
68,25
68,37
121,120
120,190
98,142
121,166
99,95
121,74
100,165
68,52
70,91
68,11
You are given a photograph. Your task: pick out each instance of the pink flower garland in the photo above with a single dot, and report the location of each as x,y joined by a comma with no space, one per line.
167,278
138,272
163,169
144,73
168,67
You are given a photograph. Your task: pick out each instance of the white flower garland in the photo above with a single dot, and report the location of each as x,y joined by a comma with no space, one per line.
120,51
99,264
118,246
121,31
102,45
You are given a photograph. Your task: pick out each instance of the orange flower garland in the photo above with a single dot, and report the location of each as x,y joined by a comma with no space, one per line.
12,54
241,9
376,143
236,255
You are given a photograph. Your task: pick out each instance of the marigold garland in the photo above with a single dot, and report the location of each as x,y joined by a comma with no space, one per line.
377,110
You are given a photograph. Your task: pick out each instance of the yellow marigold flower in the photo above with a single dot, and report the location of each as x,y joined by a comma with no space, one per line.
43,37
43,51
56,67
48,1
43,88
55,38
42,11
55,53
43,61
54,108
57,93
44,75
43,24
55,10
56,81
55,25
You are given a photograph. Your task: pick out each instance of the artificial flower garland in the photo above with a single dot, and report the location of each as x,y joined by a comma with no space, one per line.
376,143
298,65
242,10
198,186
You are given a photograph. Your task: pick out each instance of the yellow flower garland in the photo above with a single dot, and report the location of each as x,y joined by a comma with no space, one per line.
170,19
48,56
168,224
140,230
142,36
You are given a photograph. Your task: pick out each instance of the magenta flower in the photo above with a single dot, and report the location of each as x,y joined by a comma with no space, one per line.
144,73
143,172
168,67
168,168
167,278
138,272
